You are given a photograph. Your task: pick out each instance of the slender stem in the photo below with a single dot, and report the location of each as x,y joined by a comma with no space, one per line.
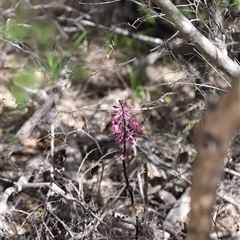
145,189
124,155
146,184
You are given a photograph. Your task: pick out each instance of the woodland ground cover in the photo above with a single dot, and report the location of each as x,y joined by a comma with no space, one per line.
64,66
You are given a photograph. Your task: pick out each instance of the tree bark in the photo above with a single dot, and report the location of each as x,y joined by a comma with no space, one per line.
220,123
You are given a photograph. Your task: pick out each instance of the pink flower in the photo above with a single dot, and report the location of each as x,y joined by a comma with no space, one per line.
125,127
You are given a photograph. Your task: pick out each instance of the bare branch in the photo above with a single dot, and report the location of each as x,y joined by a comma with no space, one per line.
206,47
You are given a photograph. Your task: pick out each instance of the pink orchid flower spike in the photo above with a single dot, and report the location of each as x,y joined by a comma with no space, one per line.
124,126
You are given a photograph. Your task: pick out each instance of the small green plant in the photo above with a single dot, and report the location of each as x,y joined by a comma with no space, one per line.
23,85
55,65
228,2
148,17
35,38
78,73
186,131
123,43
136,84
185,10
80,38
8,136
37,33
5,119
